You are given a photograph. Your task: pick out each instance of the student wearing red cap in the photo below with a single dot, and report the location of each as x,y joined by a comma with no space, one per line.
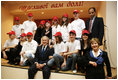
85,47
18,28
29,25
8,50
59,48
47,31
28,50
39,32
22,40
73,47
65,27
55,26
78,24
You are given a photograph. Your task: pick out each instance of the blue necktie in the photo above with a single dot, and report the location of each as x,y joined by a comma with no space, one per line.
43,51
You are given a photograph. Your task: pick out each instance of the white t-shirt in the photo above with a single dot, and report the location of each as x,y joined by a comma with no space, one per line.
65,32
78,25
54,30
58,48
73,45
10,42
17,29
29,26
29,48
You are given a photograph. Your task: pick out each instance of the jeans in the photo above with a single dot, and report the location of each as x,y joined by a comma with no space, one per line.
57,59
70,63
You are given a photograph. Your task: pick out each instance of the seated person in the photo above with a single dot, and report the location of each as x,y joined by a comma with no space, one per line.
59,49
8,51
28,50
73,46
40,61
95,60
22,40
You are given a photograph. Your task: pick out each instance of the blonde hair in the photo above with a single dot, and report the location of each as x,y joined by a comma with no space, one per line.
46,38
95,39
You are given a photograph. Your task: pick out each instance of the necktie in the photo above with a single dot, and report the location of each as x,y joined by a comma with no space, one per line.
90,26
43,51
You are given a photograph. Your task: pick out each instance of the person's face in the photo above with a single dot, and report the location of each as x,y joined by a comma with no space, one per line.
29,37
44,41
72,37
55,22
11,36
17,22
64,19
30,18
94,45
57,39
75,15
47,24
84,37
91,13
22,38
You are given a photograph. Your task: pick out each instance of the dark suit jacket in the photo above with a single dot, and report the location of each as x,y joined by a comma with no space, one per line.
97,28
38,55
97,72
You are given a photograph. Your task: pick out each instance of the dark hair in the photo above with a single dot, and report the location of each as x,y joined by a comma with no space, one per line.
66,23
60,39
92,8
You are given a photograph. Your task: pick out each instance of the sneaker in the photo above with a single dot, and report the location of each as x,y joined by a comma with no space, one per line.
57,70
74,71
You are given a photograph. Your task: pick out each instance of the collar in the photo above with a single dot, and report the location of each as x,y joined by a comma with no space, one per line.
99,51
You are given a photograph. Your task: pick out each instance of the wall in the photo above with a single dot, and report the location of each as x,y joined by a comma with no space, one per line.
111,31
6,24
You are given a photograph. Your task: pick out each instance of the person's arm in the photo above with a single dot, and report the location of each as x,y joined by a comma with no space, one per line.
11,46
101,29
72,52
34,33
108,66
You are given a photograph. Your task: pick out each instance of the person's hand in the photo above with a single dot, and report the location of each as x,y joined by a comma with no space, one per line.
93,63
21,62
64,64
5,56
65,54
22,53
50,57
41,66
109,77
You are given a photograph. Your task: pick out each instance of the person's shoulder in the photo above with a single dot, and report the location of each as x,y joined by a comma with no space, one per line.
25,21
99,18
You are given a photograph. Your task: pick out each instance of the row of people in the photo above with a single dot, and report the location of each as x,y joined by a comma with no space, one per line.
94,25
63,55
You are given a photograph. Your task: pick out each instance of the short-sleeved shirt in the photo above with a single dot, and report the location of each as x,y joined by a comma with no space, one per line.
73,45
55,29
17,29
10,42
78,25
29,26
60,47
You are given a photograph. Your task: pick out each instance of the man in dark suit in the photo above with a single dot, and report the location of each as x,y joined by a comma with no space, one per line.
95,25
41,58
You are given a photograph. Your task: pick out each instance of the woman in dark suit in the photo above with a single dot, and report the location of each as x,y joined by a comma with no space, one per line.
95,60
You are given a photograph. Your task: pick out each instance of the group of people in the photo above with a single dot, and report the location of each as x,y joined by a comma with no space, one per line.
59,46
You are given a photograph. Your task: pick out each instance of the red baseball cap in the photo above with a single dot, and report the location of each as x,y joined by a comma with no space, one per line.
55,18
72,31
75,11
65,15
42,22
58,34
48,21
30,14
29,34
85,32
11,32
16,18
23,35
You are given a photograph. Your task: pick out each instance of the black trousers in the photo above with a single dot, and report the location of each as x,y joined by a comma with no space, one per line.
33,70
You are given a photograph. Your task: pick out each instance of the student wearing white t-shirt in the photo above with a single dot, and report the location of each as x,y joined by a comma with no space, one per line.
73,46
78,24
59,49
29,25
8,51
18,28
28,50
65,27
55,26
